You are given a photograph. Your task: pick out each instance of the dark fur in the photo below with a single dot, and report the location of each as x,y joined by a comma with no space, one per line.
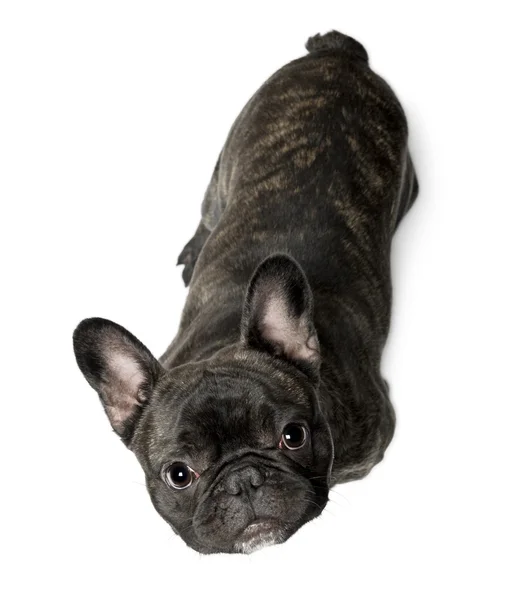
315,172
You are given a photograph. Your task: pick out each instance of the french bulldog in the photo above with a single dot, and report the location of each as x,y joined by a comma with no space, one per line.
271,391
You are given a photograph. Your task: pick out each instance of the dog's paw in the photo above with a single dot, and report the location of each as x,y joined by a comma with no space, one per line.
187,258
190,253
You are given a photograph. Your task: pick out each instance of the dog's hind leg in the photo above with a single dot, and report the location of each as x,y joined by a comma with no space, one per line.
211,210
189,254
407,194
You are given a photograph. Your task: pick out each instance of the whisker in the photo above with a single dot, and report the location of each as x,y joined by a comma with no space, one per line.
140,483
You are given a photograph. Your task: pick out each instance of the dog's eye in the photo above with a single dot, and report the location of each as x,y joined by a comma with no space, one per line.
179,476
294,436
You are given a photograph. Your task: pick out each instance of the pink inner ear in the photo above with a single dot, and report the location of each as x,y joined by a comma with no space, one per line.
290,334
121,391
127,371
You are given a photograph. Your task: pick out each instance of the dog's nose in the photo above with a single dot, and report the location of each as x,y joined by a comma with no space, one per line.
244,478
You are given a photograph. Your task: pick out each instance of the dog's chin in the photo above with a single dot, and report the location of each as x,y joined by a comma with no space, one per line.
259,534
244,523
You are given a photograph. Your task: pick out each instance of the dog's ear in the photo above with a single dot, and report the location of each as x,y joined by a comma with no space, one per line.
119,368
277,315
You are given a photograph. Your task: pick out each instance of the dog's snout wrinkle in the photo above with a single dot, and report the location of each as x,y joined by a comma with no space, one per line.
246,478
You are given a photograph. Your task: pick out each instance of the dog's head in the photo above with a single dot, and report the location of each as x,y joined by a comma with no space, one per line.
236,451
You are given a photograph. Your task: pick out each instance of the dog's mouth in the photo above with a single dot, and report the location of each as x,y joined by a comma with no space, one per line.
262,514
259,534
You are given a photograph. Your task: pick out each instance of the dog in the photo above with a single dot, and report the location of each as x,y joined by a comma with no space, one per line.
271,391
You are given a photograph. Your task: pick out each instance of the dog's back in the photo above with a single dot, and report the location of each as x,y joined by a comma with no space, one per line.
316,166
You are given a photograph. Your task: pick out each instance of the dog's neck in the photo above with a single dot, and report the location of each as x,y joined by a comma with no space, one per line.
350,384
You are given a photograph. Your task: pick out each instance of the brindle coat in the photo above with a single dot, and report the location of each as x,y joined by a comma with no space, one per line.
316,166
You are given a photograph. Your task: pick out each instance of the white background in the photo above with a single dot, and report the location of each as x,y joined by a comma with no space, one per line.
112,116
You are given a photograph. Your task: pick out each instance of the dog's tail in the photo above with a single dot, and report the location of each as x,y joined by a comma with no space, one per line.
334,40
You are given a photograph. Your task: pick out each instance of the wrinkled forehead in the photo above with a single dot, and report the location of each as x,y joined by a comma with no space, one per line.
239,410
225,412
